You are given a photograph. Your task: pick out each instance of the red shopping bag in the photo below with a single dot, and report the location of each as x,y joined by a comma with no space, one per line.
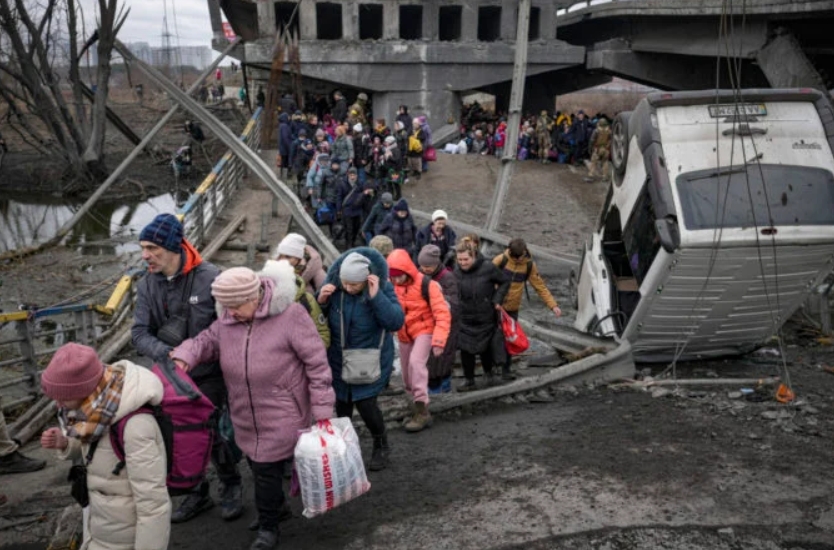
515,341
430,154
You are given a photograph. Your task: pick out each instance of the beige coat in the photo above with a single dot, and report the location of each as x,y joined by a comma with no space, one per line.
131,511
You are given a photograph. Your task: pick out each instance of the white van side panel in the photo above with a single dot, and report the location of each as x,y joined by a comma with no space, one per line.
732,309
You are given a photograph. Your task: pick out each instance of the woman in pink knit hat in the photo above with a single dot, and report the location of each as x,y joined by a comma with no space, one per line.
131,510
276,370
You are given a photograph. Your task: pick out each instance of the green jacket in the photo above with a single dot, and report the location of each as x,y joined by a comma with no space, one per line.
309,302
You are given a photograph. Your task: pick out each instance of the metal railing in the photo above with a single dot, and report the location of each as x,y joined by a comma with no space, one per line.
29,338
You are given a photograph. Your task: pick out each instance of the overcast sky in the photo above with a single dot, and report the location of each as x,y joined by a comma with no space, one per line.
144,24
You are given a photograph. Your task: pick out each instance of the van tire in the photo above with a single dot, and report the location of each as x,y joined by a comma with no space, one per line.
619,144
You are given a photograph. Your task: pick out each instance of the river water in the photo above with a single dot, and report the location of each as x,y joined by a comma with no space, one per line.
111,227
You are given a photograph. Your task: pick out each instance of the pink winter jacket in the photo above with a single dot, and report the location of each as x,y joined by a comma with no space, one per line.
275,368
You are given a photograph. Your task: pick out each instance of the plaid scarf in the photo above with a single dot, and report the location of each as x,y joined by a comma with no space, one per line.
90,421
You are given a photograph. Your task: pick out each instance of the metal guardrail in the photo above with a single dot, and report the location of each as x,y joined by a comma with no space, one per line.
25,349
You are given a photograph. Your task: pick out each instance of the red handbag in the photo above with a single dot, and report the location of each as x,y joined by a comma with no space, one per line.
430,154
515,341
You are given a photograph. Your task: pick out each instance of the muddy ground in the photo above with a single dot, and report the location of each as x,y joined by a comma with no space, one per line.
585,467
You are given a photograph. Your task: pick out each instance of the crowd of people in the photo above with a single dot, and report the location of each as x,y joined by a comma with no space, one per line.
564,138
274,351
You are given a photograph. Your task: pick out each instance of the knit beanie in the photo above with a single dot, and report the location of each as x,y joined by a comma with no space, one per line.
391,139
429,256
439,214
235,286
401,206
355,268
382,244
292,245
73,373
165,230
387,198
394,272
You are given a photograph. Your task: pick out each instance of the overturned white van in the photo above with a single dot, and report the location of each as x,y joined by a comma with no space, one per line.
719,221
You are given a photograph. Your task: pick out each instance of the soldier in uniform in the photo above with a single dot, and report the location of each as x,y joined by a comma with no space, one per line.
543,128
358,112
600,151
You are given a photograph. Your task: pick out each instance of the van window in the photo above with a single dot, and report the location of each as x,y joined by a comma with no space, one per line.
640,236
798,195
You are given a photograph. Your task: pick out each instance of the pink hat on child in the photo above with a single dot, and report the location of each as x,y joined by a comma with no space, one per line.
73,373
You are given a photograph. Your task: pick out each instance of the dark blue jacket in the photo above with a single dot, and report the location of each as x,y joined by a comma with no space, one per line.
401,231
154,290
373,222
350,199
366,320
284,137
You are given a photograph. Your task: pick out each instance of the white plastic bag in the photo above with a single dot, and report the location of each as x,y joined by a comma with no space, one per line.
328,461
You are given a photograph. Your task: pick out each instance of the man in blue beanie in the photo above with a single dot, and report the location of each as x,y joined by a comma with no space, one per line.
174,303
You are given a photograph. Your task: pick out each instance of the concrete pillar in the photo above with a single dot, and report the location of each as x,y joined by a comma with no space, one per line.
509,19
785,65
216,19
266,19
469,23
431,23
307,20
547,20
391,21
437,105
350,21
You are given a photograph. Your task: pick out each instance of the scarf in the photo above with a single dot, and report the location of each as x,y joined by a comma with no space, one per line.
90,421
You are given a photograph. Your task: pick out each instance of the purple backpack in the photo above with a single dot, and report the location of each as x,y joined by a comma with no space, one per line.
187,421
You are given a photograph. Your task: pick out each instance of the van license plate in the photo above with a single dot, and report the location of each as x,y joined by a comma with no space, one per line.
732,109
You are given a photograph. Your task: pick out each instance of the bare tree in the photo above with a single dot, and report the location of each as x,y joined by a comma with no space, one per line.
30,83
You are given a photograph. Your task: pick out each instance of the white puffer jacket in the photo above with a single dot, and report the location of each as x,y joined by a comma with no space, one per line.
132,510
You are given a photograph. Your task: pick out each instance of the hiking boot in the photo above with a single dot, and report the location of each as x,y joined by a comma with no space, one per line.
490,380
508,375
379,458
267,540
421,419
469,385
231,502
192,506
17,463
407,418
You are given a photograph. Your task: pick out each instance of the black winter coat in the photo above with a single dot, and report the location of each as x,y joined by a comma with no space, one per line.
441,367
482,287
339,112
402,231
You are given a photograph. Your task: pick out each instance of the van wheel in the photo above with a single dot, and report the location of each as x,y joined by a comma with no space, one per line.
619,143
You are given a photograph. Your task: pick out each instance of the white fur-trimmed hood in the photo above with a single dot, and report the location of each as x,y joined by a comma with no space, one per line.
284,290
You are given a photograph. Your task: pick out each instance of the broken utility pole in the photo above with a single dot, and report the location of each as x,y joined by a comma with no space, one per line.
514,120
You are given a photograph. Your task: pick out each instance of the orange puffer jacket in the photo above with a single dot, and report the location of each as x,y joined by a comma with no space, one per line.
420,317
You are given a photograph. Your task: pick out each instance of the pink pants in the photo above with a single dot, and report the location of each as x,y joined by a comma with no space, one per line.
414,357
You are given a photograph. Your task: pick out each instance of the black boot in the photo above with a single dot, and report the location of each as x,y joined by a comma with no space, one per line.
17,463
379,458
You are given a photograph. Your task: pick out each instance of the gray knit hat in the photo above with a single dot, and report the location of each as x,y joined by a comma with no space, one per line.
429,256
355,268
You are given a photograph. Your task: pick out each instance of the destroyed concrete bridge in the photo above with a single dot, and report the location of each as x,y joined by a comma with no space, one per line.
427,54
